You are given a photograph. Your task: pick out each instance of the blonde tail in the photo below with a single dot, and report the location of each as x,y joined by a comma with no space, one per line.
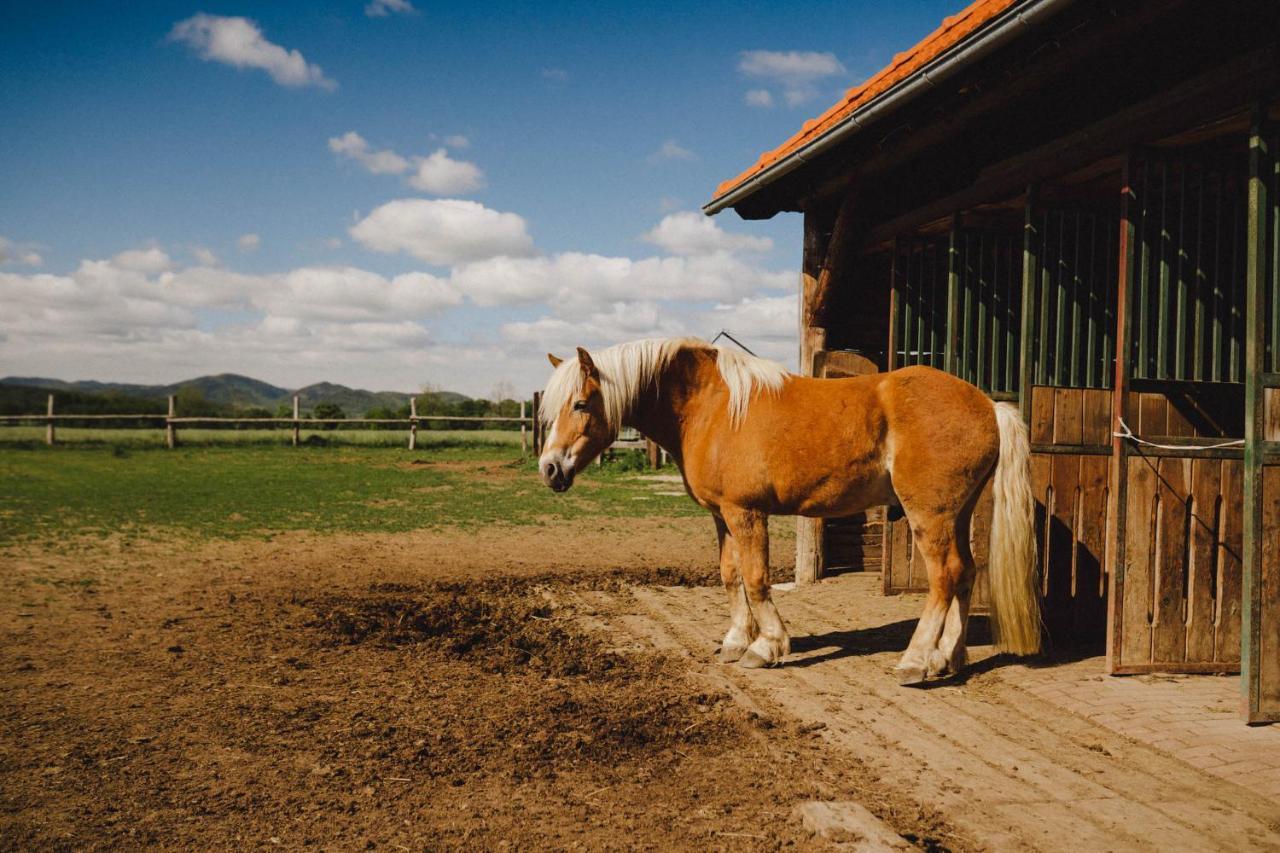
1015,594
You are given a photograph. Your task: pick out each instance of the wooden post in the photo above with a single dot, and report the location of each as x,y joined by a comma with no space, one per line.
170,428
809,546
524,436
653,453
1260,600
49,436
1118,498
296,429
413,424
537,423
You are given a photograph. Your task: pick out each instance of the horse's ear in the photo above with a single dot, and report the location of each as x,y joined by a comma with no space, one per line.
588,366
555,362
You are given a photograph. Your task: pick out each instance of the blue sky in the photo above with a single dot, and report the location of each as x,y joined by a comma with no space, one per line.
388,193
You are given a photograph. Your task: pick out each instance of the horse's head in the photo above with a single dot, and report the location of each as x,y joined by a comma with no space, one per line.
580,430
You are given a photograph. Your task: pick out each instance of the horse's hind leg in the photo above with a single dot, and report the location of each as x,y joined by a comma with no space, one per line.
936,538
742,627
955,632
750,532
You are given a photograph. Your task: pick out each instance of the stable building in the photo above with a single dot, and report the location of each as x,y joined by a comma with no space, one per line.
1074,205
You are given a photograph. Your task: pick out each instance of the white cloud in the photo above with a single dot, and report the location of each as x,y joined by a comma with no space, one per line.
690,233
457,140
557,75
11,252
437,173
576,284
671,150
440,174
383,8
332,243
773,318
239,42
204,257
443,231
348,294
796,71
248,242
353,145
152,260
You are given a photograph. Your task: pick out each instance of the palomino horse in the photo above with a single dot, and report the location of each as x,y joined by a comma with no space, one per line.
752,441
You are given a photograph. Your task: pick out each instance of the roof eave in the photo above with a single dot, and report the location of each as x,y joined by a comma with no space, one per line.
993,35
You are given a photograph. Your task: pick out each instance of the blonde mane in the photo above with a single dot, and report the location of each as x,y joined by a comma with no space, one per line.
627,369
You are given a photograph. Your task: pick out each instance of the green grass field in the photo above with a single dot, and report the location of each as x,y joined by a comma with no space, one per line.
257,490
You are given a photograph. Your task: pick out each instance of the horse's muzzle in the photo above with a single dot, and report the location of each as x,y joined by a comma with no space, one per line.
555,476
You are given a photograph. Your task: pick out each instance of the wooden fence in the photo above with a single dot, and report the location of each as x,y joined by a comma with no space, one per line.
530,425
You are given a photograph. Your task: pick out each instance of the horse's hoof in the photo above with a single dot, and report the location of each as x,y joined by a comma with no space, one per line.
910,675
728,655
751,660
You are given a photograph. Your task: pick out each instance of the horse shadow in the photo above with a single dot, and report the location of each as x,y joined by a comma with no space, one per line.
893,637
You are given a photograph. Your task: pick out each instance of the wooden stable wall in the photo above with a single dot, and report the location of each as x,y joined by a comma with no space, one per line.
1177,597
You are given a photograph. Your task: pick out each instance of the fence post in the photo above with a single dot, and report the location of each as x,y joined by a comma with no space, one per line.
295,420
537,423
413,423
49,432
524,439
171,431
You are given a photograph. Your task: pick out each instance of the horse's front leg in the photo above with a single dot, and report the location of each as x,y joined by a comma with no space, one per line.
742,627
750,533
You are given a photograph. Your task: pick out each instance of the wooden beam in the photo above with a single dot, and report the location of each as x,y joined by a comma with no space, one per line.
840,248
1161,115
813,265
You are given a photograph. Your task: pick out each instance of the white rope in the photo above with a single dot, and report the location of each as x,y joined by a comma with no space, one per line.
1128,433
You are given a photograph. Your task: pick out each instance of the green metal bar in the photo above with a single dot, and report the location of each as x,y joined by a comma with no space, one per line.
1012,299
895,307
1042,342
1180,322
1219,295
1235,364
968,283
1142,366
1162,305
986,293
1092,282
1198,319
1110,273
952,337
1273,328
1060,312
1251,615
1030,272
1077,294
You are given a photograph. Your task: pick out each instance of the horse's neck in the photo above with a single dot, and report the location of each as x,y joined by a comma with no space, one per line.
662,414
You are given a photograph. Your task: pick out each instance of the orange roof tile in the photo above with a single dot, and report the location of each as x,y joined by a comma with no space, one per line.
953,30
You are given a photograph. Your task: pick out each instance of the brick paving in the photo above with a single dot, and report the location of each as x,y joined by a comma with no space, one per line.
1191,717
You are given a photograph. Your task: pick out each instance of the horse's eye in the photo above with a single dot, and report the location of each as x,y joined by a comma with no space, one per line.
580,406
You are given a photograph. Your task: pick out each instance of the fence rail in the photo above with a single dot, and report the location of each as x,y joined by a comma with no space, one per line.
171,421
530,427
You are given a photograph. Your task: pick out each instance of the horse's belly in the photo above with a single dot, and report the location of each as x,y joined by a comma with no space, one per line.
842,493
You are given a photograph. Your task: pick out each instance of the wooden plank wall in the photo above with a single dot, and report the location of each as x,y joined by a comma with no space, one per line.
1070,475
1180,600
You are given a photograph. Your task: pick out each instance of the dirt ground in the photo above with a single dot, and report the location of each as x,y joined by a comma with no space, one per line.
520,687
421,691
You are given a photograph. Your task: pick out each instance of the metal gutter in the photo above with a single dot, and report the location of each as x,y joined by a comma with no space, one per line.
995,35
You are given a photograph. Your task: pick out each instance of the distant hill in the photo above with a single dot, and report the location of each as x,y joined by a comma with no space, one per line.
225,389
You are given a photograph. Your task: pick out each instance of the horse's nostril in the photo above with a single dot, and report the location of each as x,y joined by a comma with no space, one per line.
549,469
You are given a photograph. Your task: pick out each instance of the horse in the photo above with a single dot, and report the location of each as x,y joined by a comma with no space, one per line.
752,440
